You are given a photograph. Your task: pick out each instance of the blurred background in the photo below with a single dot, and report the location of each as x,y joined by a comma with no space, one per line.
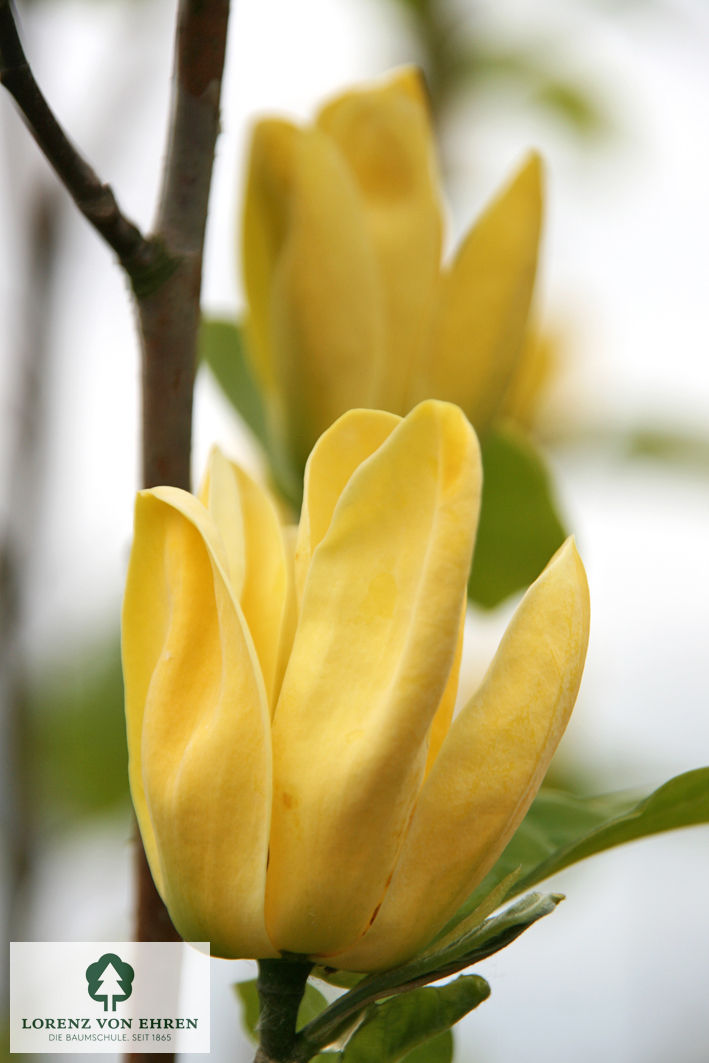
615,95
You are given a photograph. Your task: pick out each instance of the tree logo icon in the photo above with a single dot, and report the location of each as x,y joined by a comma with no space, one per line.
110,980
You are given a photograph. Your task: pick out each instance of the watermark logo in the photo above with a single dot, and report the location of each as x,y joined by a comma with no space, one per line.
112,997
110,980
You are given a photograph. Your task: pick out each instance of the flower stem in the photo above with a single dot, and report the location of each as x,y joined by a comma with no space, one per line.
281,985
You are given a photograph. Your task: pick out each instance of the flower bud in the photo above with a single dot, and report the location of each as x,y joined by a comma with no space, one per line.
348,302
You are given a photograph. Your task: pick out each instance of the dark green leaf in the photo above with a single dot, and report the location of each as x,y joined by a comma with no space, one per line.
561,829
312,1004
392,1029
221,347
519,526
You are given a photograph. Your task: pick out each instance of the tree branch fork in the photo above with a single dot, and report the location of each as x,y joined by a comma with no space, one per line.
140,256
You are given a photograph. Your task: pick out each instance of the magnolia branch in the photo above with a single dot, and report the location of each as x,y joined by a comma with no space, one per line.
169,316
141,258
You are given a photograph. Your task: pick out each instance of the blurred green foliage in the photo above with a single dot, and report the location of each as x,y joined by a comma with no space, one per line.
520,528
77,755
458,54
688,451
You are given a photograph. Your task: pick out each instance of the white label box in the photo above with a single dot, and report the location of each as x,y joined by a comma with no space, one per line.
109,996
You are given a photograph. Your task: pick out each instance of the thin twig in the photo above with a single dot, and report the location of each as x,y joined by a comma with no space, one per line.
144,260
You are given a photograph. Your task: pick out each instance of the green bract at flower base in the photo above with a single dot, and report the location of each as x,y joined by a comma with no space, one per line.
299,784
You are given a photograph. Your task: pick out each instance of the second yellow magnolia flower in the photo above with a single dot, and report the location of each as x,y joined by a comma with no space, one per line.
348,304
298,779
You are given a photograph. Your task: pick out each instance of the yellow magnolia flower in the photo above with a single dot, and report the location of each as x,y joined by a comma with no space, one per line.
298,780
348,304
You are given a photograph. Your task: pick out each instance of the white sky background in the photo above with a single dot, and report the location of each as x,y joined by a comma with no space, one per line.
617,972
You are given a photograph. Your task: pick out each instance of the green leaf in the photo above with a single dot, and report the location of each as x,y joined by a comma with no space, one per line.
480,941
311,1005
221,347
681,802
392,1029
464,922
489,937
519,526
438,1050
561,829
247,993
341,979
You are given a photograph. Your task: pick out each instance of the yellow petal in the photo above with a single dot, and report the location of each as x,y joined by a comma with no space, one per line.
489,767
482,315
290,613
540,365
371,658
352,439
265,224
312,281
444,713
258,570
384,133
198,728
